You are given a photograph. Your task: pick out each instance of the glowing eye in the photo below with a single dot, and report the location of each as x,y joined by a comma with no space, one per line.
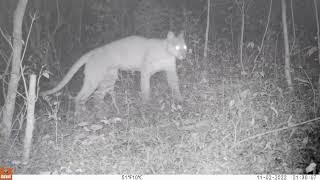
177,47
184,47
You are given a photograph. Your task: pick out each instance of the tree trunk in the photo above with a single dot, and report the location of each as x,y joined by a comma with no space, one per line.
205,51
286,46
31,101
318,37
15,68
243,72
318,29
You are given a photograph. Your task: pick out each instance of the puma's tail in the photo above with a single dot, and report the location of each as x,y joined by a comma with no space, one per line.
75,67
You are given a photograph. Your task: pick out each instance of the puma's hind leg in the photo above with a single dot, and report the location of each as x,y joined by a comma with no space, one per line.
82,98
88,87
107,86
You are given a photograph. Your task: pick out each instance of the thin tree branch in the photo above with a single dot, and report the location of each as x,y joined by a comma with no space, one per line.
293,28
6,38
33,18
275,130
263,38
318,29
205,53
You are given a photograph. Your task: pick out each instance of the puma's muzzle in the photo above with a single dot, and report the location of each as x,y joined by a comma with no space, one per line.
182,51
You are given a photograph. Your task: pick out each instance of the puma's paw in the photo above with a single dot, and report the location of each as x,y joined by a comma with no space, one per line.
179,97
145,98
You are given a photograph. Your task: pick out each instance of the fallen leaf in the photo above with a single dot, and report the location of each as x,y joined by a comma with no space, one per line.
104,121
312,167
80,136
274,110
96,127
305,140
298,171
86,129
83,124
231,103
244,94
116,119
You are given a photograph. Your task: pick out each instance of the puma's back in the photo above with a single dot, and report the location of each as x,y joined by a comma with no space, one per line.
130,53
126,53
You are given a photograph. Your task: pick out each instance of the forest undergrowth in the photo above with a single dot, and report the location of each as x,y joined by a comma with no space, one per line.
228,123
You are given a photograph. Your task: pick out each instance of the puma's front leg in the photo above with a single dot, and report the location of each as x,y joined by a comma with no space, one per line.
145,86
173,82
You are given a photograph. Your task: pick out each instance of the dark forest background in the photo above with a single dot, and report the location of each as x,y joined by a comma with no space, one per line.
65,29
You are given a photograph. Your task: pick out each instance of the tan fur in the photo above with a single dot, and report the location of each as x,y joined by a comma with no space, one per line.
131,53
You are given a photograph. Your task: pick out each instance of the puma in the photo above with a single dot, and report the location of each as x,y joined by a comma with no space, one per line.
132,53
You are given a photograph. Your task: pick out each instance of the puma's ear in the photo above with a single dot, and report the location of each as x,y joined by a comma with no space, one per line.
181,35
170,35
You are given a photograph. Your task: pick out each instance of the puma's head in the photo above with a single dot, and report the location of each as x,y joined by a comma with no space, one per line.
176,45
